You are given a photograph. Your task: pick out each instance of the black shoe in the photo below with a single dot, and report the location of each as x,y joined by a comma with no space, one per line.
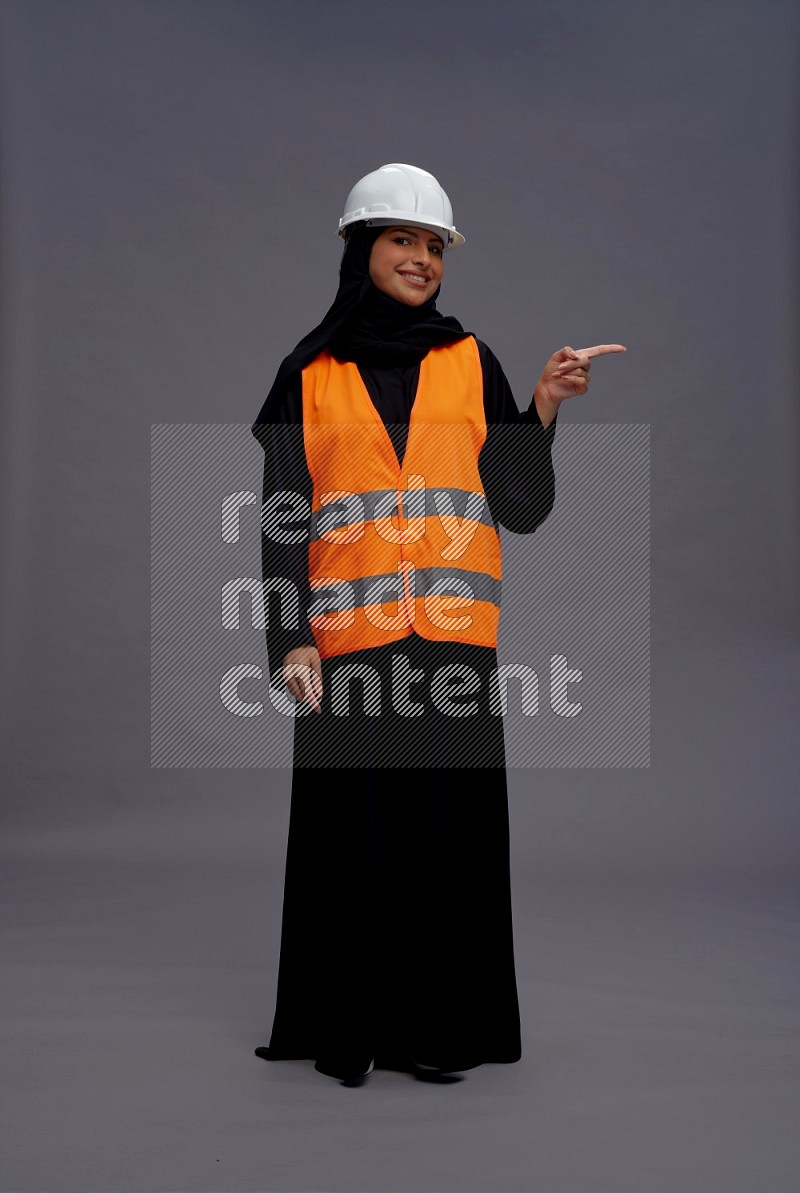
351,1080
434,1074
403,1063
358,1078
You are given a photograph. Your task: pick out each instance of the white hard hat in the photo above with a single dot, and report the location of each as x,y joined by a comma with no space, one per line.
401,194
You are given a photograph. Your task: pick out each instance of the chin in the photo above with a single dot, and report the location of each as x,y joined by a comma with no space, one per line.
413,300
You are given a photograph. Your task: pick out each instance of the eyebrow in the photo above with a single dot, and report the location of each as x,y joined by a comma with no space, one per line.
416,232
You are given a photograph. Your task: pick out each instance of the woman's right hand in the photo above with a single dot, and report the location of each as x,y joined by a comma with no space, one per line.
302,669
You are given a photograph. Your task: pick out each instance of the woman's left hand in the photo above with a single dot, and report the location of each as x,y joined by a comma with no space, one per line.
567,371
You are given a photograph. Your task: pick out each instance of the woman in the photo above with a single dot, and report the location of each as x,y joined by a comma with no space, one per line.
397,437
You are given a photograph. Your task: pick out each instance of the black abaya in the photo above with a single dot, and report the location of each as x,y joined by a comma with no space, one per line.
397,925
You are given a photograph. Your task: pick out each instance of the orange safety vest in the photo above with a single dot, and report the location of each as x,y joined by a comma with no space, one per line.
397,549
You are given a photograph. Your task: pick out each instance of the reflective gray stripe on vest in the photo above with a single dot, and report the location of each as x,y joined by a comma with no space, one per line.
354,508
342,595
444,581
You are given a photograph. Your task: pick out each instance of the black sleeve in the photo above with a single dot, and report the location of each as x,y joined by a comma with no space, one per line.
515,463
285,515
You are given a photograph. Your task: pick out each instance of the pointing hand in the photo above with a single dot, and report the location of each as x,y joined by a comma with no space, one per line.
567,371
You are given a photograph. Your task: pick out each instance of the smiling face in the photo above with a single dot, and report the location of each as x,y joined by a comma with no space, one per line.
406,263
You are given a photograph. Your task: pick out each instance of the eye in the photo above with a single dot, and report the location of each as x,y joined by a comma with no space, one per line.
401,240
435,248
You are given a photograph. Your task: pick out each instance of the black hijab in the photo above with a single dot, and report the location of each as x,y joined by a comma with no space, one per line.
365,325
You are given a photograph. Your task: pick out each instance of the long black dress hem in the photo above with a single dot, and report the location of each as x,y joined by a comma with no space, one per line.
402,1063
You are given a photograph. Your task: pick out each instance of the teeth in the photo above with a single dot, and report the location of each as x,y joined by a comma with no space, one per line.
415,277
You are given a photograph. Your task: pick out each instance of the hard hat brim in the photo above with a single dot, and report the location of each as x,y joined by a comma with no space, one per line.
451,238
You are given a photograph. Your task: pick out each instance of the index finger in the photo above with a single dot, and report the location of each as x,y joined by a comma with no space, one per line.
601,349
314,691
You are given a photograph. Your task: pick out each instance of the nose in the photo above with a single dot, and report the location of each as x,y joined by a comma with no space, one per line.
422,256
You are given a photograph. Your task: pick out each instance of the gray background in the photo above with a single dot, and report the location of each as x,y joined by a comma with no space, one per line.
172,177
